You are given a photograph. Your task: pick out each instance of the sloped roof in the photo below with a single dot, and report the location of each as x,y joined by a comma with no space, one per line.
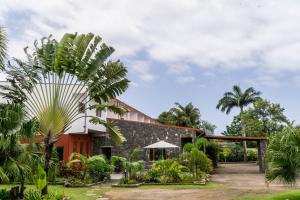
161,145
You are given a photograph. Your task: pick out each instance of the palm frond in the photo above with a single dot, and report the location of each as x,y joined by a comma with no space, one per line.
114,131
3,47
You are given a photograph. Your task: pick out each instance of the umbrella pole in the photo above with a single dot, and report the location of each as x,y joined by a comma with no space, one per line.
153,154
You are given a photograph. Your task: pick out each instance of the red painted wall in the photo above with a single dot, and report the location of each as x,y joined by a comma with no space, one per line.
80,143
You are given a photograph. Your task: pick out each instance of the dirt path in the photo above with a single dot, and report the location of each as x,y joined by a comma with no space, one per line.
238,180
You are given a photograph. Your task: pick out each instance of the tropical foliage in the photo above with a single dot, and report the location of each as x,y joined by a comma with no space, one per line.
16,159
233,152
58,75
165,171
83,168
117,163
283,156
133,168
234,128
196,160
264,118
240,99
208,127
188,116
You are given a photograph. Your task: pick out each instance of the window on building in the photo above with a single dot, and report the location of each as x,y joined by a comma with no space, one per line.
81,148
60,153
81,107
98,113
74,147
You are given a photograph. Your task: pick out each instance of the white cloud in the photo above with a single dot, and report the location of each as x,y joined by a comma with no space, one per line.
185,79
209,74
268,80
296,80
142,69
179,68
230,34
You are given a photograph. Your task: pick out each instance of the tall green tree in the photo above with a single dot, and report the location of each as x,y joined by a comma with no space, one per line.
235,127
238,99
208,127
188,116
3,47
58,75
264,118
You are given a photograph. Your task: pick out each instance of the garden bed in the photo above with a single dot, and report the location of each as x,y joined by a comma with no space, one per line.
149,184
126,185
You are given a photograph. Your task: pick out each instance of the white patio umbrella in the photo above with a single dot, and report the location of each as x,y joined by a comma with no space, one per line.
160,145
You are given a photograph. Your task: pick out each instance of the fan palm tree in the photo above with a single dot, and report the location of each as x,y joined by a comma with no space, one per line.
58,75
188,116
3,47
240,99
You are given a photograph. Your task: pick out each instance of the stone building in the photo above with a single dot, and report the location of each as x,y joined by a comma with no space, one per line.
141,134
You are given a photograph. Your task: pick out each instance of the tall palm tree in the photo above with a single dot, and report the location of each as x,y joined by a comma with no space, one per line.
188,116
3,47
58,75
240,99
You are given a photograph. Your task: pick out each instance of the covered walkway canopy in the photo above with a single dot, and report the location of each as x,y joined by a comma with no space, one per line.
261,145
235,138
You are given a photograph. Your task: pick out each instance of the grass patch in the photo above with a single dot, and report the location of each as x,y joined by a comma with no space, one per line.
81,192
290,195
73,193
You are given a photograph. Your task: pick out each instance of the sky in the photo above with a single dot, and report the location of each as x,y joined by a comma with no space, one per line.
179,51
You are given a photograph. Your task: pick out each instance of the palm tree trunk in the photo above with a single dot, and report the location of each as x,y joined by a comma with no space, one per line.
22,186
48,153
244,135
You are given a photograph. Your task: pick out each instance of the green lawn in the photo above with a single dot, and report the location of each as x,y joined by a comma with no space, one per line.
290,195
73,193
81,193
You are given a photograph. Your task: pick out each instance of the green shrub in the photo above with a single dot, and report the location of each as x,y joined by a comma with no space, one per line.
188,147
196,161
236,153
165,171
251,155
135,169
132,182
33,195
71,181
152,176
212,151
36,195
188,177
99,168
117,163
4,194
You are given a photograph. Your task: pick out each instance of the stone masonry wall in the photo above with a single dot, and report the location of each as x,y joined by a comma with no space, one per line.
142,134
